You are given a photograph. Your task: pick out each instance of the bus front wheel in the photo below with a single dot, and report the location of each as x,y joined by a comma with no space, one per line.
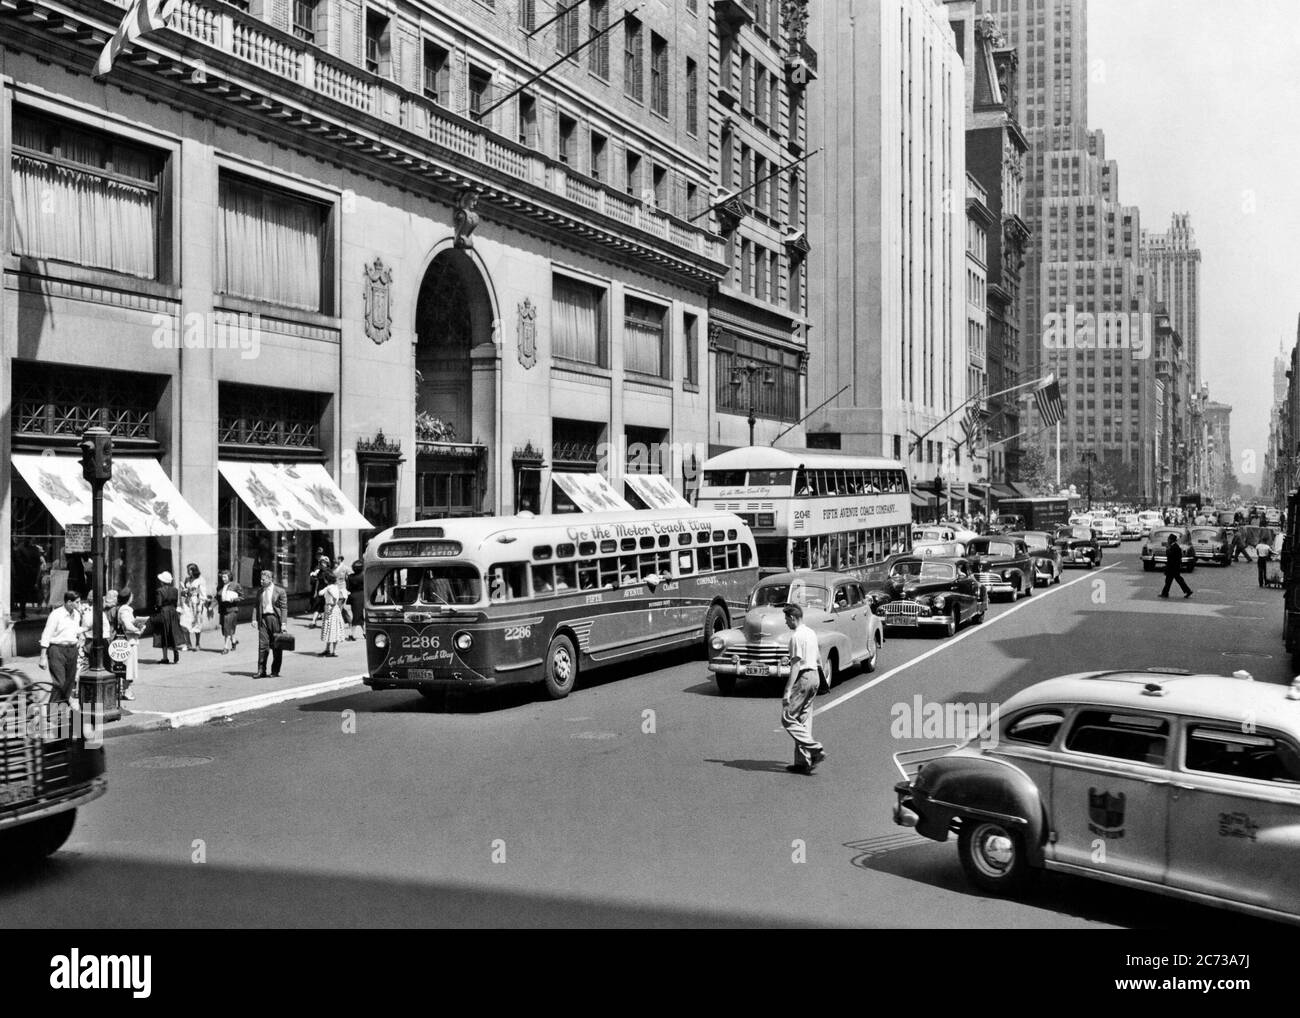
561,668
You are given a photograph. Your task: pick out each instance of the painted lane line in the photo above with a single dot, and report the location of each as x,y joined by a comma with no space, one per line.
982,627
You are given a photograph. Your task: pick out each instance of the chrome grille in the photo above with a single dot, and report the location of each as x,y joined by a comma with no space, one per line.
988,579
902,608
760,653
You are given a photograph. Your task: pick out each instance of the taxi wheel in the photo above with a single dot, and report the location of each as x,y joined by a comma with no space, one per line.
715,621
33,841
561,668
832,675
992,856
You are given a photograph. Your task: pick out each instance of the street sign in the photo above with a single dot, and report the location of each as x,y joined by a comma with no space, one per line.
77,537
119,649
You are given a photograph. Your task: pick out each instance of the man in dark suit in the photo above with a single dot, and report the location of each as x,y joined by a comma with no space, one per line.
1174,568
272,613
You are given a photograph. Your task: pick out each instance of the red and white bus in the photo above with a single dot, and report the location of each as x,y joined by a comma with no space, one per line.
813,509
458,604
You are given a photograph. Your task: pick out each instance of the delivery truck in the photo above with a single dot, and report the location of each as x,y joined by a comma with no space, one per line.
1046,513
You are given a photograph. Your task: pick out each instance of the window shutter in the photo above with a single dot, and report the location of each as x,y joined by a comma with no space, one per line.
350,32
277,14
459,83
408,66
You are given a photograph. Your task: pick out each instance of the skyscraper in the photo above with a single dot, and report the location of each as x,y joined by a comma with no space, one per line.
1173,263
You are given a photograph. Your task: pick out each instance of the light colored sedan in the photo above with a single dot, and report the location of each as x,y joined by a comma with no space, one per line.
1179,784
836,607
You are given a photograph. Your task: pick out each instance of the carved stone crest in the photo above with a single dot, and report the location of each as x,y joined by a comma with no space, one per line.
466,218
379,312
527,333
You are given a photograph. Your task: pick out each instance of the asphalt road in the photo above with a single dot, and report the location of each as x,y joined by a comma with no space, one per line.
644,799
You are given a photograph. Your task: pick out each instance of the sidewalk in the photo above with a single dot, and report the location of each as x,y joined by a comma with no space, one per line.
207,684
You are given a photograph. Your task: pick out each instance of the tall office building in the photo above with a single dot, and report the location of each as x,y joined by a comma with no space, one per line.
1173,263
887,300
1087,299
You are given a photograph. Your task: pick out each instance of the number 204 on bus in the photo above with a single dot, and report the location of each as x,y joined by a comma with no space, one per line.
478,603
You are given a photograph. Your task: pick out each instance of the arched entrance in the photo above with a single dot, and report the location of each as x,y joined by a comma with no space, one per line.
453,315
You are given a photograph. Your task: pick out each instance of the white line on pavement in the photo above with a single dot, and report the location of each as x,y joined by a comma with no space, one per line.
1035,599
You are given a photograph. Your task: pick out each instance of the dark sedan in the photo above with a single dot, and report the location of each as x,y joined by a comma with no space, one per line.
1212,543
1044,555
1154,550
1079,547
941,593
1002,565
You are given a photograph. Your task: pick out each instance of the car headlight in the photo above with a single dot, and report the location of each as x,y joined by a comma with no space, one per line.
462,642
717,643
939,602
381,640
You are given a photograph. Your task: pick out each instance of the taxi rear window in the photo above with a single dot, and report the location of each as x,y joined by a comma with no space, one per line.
1139,738
1037,727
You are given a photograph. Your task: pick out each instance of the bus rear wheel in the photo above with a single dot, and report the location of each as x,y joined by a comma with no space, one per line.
715,621
561,668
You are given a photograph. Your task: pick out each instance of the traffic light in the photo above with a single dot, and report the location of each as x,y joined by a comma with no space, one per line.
938,484
97,455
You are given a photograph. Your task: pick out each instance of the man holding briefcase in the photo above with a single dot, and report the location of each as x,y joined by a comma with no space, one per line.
272,614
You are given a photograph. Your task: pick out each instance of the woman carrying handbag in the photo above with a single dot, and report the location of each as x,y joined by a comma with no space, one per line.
228,595
336,596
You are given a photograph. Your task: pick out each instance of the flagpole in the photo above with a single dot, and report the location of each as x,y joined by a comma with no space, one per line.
1058,455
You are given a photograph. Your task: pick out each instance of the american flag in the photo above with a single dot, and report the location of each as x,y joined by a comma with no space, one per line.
1048,397
143,17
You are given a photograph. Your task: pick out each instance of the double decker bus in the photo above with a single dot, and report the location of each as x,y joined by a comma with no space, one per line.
538,599
812,509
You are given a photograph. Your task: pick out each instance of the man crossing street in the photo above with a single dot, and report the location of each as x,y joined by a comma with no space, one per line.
796,704
1174,567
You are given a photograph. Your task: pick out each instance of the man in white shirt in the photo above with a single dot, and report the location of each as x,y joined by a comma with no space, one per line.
59,642
800,688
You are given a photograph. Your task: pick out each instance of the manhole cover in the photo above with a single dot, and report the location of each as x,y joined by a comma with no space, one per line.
160,763
594,735
233,722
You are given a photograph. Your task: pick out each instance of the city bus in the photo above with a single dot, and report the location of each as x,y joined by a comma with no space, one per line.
812,509
474,603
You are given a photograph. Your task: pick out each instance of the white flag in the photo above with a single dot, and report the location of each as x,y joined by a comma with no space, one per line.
143,17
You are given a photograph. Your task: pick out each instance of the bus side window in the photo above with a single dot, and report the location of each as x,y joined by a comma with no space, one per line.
609,572
705,559
506,581
685,563
543,580
564,577
588,574
746,557
799,555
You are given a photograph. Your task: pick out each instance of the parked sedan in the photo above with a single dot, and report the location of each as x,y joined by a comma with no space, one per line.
1154,550
1212,543
1078,546
1044,556
937,593
1147,779
835,606
1002,565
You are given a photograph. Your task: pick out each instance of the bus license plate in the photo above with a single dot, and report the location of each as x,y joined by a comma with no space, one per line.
758,670
421,674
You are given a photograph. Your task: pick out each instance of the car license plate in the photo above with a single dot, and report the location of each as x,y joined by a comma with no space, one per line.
421,674
755,669
904,620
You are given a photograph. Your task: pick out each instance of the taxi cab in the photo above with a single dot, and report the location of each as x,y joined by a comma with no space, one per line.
1185,785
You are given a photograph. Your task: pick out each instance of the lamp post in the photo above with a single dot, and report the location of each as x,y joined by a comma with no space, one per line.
1089,456
98,686
745,373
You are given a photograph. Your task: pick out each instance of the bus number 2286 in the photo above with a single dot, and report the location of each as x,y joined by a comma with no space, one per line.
518,632
419,643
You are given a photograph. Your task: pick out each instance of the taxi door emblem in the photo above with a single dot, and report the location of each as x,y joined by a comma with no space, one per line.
1106,813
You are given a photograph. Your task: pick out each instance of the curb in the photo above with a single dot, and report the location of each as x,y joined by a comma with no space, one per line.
154,720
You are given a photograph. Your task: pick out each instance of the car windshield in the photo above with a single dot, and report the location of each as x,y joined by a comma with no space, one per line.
995,549
925,570
441,584
1077,533
1037,542
800,592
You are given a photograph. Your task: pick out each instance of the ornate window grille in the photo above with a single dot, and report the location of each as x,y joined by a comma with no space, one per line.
257,416
56,400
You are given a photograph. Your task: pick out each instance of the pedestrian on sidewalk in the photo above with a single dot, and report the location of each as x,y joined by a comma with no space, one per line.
167,631
272,615
228,595
1263,552
88,626
800,689
195,605
59,643
331,627
356,599
124,625
1174,567
317,580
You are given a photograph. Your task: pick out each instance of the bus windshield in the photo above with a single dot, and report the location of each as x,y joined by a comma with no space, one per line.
440,584
806,595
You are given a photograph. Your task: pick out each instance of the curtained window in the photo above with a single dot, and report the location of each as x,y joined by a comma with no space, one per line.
84,197
271,246
578,321
644,337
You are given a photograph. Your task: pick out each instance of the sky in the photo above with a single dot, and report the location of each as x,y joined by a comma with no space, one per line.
1200,104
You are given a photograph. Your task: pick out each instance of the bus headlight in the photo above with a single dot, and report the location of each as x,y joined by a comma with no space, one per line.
462,642
381,641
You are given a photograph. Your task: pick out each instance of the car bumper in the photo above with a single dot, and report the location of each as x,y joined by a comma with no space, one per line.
915,622
1002,587
749,669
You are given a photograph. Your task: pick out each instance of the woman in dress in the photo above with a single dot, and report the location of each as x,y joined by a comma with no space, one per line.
228,595
331,627
127,628
194,605
167,631
357,598
319,578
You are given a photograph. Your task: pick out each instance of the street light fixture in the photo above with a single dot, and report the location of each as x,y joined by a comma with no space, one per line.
745,373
